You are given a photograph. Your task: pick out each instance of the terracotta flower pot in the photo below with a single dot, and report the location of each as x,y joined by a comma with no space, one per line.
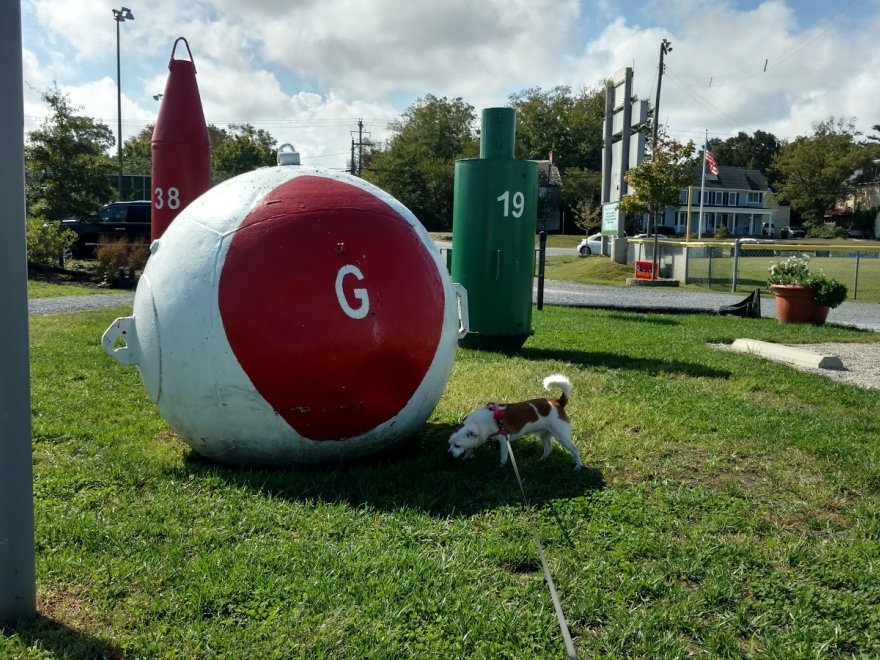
795,304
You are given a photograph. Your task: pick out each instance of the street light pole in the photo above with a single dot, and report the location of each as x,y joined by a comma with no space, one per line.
119,15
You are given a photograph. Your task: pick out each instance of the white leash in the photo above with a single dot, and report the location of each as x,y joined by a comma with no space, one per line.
563,626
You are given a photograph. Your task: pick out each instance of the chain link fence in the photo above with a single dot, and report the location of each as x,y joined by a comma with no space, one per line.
742,266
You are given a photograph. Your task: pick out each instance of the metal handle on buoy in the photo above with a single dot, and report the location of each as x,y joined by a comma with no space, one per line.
290,157
464,325
122,330
174,48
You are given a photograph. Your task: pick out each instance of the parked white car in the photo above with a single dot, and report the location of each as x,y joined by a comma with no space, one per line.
591,245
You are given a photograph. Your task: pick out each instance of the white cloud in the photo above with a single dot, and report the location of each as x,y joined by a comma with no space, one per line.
306,71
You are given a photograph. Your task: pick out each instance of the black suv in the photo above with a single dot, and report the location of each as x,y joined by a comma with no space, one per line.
129,220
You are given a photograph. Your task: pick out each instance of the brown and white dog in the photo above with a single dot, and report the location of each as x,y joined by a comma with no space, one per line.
511,421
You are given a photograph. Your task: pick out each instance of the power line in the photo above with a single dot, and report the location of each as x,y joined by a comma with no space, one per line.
789,51
702,101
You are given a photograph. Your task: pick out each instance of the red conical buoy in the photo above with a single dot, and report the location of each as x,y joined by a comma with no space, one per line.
180,145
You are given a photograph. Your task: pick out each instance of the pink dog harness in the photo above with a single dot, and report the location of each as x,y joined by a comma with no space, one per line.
498,416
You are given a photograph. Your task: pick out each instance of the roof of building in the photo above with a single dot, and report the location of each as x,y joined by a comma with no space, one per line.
732,178
548,173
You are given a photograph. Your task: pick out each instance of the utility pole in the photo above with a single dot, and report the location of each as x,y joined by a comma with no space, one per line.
665,47
360,146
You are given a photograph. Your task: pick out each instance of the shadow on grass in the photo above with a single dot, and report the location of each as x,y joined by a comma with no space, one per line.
622,361
57,640
418,475
651,319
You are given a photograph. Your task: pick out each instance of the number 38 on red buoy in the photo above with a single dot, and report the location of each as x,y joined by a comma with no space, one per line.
293,315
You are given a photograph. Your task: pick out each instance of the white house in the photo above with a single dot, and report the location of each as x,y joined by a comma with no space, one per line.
737,199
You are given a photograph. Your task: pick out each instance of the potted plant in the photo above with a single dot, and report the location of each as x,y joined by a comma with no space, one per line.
803,295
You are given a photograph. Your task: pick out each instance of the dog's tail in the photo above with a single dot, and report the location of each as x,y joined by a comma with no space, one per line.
562,383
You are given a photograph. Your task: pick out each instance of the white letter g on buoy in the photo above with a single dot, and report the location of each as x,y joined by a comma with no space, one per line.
360,294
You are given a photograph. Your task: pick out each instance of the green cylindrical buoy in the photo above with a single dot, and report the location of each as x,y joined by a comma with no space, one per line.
494,217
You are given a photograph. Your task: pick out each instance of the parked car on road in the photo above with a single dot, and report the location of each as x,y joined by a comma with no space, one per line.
852,232
768,229
662,231
792,232
591,245
130,220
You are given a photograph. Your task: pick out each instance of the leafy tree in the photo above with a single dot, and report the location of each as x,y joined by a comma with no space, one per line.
568,125
752,152
366,154
67,165
47,241
240,149
558,121
417,165
657,182
137,152
216,136
818,170
582,194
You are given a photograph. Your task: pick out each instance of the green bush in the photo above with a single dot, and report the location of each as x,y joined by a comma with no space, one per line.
47,241
820,229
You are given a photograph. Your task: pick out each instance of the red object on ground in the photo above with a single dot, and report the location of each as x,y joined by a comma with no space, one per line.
180,146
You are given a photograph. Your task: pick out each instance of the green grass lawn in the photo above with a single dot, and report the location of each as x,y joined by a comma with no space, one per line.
729,506
38,289
752,273
753,270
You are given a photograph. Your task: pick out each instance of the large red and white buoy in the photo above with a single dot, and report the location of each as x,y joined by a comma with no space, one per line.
291,315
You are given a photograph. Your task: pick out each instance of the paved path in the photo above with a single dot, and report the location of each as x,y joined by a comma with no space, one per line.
637,299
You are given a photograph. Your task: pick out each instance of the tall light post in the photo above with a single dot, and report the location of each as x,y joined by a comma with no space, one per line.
120,15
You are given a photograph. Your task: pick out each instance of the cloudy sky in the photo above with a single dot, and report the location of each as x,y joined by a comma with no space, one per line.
308,70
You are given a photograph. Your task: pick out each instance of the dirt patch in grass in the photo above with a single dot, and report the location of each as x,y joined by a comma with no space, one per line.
788,487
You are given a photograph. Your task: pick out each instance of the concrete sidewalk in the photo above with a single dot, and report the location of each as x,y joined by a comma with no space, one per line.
671,300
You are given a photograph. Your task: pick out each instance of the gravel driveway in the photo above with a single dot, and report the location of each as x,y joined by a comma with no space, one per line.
61,304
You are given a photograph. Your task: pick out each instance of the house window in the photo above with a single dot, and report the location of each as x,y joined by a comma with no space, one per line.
754,199
734,199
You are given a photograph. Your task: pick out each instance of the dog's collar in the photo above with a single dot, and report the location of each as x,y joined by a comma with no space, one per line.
498,415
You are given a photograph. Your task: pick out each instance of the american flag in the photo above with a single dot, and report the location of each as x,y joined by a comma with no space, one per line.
710,159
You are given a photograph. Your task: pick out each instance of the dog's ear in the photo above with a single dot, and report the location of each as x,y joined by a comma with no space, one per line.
457,427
